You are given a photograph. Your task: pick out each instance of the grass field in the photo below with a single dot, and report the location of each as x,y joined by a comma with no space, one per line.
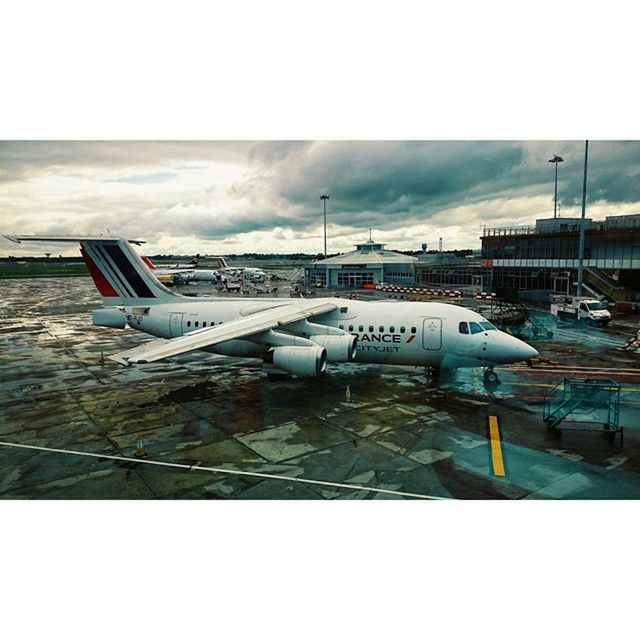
29,269
42,270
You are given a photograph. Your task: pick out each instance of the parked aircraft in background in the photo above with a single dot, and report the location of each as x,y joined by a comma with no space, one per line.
189,265
171,275
247,273
292,336
186,273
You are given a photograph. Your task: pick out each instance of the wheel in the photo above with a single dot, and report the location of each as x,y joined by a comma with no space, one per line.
491,377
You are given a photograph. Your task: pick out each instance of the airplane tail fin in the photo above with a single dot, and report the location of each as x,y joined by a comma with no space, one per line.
148,263
195,260
119,273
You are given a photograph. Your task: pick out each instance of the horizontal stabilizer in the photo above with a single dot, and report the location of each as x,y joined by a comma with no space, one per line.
19,239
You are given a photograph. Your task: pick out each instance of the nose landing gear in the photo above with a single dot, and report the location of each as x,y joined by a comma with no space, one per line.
491,378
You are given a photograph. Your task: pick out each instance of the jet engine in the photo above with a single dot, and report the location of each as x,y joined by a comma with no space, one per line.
339,348
300,361
109,317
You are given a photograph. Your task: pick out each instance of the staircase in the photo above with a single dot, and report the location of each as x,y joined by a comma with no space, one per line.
603,283
597,401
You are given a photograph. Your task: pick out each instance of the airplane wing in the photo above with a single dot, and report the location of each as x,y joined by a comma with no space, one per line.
241,328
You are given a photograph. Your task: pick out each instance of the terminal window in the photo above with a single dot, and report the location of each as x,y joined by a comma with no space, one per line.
354,280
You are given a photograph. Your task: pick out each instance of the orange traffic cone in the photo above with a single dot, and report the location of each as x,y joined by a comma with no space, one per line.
140,452
347,395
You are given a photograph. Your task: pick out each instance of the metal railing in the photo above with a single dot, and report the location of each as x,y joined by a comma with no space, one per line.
593,225
594,401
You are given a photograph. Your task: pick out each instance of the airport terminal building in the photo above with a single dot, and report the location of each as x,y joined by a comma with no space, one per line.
534,261
369,264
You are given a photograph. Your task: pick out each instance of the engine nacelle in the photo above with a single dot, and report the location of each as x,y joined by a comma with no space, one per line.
339,348
109,317
300,361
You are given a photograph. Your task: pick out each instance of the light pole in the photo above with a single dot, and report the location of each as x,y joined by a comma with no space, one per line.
555,161
324,199
582,221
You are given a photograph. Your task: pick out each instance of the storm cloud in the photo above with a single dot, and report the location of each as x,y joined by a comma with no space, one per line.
264,196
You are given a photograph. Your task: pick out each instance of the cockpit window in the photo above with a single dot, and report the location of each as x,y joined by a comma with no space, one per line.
487,326
475,327
463,327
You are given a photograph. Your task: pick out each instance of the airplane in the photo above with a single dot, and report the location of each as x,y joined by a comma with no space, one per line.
183,274
292,336
171,275
249,273
186,273
190,265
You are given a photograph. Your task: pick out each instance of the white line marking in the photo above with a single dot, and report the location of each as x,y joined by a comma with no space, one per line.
218,470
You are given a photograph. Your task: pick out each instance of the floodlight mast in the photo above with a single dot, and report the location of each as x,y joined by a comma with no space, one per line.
582,221
324,199
555,160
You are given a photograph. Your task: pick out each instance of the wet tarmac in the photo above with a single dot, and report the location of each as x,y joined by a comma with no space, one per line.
398,435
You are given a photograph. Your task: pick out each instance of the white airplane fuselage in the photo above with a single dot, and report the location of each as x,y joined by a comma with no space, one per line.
388,332
292,335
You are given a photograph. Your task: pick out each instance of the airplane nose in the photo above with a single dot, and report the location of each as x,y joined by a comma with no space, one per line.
509,349
528,351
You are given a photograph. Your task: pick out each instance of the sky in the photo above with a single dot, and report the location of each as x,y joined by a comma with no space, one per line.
264,196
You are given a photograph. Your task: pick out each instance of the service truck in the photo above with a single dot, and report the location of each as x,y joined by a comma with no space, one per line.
590,310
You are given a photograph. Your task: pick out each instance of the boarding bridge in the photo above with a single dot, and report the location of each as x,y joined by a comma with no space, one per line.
587,402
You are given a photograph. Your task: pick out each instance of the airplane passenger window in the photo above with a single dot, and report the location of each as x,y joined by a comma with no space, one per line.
463,327
341,326
392,329
381,329
350,328
204,324
413,329
487,326
475,327
360,329
401,329
188,323
196,323
370,328
344,309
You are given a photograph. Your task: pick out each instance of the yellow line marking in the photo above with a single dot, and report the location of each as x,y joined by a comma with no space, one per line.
496,446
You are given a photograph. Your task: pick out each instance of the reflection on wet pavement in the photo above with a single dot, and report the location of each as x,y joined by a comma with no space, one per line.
397,434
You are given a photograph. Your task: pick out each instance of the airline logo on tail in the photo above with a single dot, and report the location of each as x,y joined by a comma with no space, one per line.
120,273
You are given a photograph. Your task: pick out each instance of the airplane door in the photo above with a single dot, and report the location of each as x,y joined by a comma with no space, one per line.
432,334
175,324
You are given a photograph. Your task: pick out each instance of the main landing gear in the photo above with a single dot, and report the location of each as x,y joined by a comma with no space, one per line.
491,378
432,374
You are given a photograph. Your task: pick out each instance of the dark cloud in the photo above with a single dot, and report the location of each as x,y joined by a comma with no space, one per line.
163,188
383,181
